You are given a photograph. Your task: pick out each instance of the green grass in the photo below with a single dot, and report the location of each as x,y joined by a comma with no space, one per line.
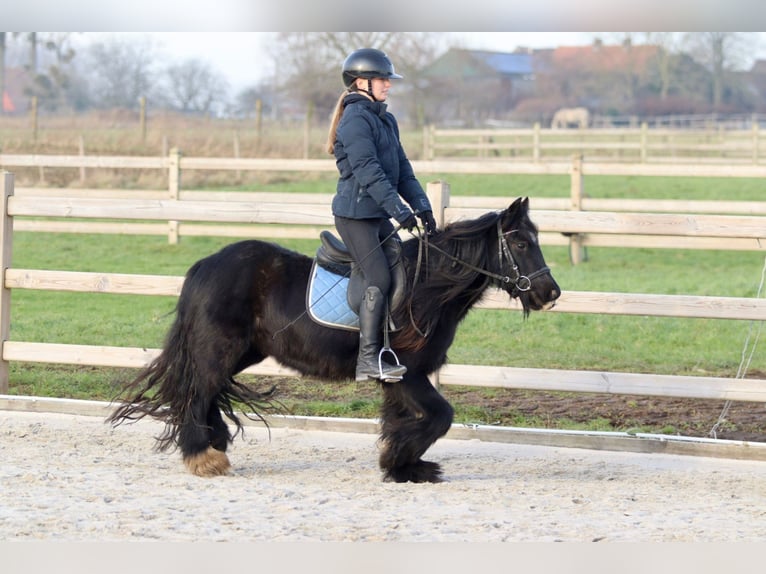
633,187
545,340
624,343
511,186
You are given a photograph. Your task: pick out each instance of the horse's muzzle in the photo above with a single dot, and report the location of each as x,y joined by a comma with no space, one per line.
544,293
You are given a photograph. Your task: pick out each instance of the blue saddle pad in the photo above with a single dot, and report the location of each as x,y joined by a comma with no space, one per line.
326,300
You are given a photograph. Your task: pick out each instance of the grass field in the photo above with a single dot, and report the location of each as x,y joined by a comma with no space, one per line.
552,340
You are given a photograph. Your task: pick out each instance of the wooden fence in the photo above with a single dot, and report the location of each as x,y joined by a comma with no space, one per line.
641,144
567,228
277,212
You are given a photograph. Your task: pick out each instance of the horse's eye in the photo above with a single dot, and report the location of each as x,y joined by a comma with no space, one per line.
521,245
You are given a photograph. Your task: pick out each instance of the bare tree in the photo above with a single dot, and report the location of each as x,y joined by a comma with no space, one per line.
2,71
192,86
308,64
721,53
668,44
32,39
52,79
121,71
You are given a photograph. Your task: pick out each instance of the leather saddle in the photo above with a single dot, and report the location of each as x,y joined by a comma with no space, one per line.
337,286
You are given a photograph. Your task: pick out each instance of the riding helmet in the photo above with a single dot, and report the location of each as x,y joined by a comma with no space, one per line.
367,63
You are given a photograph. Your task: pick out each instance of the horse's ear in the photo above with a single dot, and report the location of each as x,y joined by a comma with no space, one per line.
520,205
517,209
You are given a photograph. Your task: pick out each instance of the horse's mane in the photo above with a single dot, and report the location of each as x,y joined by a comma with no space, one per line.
439,282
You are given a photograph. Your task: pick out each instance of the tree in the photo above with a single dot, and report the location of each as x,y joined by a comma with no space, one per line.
51,71
47,73
667,42
721,53
121,71
2,71
308,64
245,104
192,86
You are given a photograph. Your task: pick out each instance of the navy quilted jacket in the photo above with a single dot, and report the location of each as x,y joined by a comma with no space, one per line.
375,174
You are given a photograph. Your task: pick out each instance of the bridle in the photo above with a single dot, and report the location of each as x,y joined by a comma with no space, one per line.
521,282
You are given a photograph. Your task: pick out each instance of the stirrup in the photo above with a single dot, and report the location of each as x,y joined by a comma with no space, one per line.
389,378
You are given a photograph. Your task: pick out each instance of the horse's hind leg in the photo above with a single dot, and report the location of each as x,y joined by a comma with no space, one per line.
203,444
414,416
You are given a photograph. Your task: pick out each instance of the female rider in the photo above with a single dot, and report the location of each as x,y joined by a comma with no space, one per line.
375,176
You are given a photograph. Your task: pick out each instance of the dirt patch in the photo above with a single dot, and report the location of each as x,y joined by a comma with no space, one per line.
562,410
689,417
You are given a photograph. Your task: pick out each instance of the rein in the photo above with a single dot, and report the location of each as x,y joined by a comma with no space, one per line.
521,282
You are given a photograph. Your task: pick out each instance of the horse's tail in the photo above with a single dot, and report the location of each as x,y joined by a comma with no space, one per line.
170,386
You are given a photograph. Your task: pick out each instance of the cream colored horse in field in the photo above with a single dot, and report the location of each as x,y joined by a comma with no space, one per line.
566,117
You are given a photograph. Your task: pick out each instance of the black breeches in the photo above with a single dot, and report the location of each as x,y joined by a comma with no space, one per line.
363,237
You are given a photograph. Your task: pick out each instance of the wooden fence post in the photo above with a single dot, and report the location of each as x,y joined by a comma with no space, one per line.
258,119
429,137
35,118
756,142
644,137
236,153
174,187
438,195
307,130
576,194
81,149
142,118
484,142
536,142
6,252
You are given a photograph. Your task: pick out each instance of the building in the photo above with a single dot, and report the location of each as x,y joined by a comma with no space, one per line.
466,87
14,101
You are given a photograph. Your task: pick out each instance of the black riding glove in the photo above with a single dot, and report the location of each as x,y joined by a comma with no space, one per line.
429,223
410,223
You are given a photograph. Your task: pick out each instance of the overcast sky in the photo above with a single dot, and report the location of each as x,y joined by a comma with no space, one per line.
231,34
403,15
242,57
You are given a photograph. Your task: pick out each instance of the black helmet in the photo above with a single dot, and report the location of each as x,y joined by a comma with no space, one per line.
367,63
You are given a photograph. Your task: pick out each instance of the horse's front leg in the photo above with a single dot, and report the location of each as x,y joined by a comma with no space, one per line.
414,416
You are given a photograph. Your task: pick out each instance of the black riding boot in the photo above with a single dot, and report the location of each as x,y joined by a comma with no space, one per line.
370,363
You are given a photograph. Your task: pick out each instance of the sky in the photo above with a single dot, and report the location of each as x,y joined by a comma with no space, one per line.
242,57
232,34
400,15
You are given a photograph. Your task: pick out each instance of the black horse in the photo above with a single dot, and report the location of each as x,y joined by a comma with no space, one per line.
248,302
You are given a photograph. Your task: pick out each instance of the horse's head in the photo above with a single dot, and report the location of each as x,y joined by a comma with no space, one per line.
522,261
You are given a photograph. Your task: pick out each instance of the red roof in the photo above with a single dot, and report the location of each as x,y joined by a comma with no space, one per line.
14,100
8,103
604,58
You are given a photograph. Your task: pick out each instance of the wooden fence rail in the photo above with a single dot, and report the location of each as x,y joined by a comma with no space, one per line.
554,226
245,212
642,145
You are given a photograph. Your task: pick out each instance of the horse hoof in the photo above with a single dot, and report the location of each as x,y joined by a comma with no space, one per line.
421,471
210,462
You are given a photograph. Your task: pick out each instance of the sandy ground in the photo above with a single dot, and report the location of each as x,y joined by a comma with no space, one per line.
74,478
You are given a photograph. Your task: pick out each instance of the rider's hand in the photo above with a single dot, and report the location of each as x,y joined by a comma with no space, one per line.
410,223
429,223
